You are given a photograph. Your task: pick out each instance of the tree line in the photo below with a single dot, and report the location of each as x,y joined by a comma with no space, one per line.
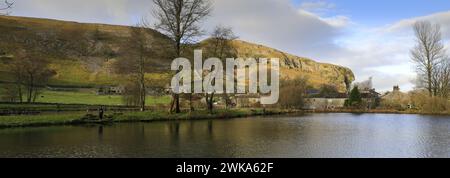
180,21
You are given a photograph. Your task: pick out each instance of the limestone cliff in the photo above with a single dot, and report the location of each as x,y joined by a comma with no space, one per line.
294,66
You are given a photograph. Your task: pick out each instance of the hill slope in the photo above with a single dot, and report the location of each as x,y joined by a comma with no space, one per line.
81,54
62,43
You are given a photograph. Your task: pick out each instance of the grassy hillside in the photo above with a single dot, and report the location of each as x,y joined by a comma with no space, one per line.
61,41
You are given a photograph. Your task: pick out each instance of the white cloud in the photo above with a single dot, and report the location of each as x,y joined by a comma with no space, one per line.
318,7
442,18
384,52
338,21
121,12
279,24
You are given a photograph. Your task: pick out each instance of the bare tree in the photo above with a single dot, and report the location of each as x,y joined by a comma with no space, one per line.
428,54
179,20
293,93
5,6
441,79
219,46
10,94
220,43
19,77
136,64
31,74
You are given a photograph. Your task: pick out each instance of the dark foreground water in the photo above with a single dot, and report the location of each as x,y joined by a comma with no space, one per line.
316,135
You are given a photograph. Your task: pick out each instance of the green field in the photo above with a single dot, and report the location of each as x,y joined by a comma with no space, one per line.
90,98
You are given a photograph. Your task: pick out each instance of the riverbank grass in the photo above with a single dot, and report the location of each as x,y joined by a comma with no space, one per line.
148,116
39,120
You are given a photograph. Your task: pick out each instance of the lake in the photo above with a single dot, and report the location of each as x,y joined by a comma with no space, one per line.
311,135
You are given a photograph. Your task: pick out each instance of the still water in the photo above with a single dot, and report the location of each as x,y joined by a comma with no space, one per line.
315,135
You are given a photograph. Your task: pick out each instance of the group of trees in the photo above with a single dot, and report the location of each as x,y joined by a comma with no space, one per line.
180,21
293,93
431,59
138,51
219,46
30,74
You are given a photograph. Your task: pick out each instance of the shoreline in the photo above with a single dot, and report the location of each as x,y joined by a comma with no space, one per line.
376,111
67,119
25,121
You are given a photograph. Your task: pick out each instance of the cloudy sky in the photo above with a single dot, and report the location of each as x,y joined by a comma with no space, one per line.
372,37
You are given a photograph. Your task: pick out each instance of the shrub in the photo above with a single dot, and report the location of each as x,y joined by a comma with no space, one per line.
293,93
355,99
431,105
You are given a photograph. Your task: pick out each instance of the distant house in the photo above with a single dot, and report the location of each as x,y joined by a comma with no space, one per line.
369,95
312,92
324,103
247,100
117,90
371,98
157,91
110,90
317,102
396,99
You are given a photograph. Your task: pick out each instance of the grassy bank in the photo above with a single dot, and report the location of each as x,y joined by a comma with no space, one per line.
39,120
149,116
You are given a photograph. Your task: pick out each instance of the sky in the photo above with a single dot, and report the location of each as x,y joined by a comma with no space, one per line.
372,37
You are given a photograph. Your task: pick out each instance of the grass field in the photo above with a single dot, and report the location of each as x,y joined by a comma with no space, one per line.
90,98
49,101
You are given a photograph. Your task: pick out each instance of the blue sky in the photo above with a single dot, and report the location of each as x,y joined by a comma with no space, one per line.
380,12
372,37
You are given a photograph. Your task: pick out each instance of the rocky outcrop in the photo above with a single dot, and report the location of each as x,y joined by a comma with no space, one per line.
294,66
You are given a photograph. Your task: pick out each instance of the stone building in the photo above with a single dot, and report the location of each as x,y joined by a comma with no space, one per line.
324,103
110,90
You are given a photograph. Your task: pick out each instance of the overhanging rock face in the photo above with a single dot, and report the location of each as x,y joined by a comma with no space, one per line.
294,66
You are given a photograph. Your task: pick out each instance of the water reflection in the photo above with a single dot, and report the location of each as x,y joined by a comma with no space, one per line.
318,135
100,131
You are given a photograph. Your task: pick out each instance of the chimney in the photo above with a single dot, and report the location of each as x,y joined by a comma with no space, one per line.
396,88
